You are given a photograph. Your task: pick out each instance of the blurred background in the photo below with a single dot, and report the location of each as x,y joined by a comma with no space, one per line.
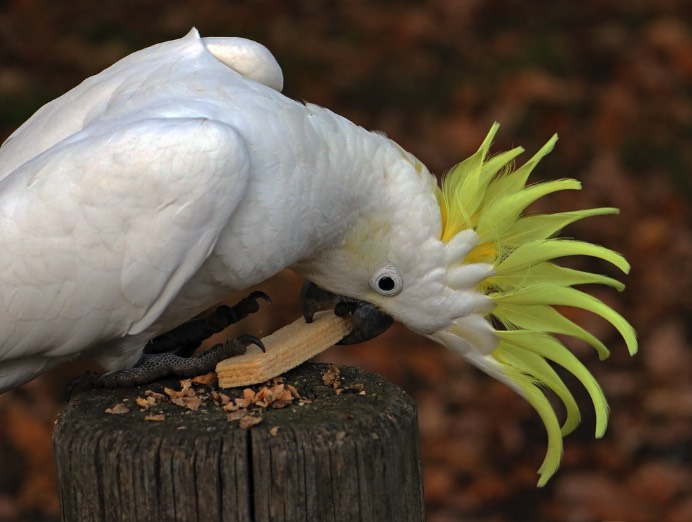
612,78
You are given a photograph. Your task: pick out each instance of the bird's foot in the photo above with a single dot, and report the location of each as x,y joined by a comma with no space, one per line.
184,339
153,366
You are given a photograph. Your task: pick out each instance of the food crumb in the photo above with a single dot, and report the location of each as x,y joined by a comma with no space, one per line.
118,409
248,421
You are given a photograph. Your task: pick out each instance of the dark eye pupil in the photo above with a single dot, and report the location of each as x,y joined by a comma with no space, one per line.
386,284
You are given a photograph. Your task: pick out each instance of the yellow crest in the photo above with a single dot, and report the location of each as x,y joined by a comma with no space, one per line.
490,197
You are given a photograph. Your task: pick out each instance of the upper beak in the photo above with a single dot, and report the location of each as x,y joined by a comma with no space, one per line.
368,320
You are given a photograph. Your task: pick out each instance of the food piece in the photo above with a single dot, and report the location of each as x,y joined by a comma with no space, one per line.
285,349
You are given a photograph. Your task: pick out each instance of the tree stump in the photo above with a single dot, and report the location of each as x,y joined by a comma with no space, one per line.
352,456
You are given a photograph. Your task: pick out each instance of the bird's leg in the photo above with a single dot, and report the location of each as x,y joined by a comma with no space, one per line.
184,339
153,366
170,354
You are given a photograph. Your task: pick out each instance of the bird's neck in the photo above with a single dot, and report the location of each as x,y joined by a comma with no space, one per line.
309,189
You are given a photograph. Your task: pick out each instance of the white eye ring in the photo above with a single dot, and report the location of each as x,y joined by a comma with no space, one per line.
387,281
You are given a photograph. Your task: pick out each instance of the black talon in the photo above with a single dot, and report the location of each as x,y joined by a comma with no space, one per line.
251,339
258,294
184,339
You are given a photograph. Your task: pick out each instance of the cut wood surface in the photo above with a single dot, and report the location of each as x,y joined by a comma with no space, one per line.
346,451
285,349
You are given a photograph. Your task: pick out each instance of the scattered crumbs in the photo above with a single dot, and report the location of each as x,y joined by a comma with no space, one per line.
118,409
219,398
158,397
237,415
145,402
274,394
206,379
248,421
191,403
175,394
332,377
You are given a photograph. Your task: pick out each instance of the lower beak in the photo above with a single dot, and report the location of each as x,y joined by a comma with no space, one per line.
368,320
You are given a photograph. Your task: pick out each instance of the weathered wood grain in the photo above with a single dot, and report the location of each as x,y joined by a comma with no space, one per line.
346,457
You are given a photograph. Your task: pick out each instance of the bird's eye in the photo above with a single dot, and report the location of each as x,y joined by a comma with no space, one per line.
387,281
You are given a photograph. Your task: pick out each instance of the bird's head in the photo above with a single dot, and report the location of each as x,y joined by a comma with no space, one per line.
466,266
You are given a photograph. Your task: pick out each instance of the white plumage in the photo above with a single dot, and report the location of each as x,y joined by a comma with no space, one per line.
181,174
155,188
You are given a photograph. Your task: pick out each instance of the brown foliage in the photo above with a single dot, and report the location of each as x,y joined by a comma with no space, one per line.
612,78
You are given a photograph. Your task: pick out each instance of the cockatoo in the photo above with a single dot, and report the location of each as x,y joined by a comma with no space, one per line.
180,174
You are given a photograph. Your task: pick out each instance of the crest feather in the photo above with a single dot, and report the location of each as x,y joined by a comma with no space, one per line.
489,197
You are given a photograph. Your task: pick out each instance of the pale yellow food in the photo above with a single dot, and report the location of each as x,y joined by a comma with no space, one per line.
285,349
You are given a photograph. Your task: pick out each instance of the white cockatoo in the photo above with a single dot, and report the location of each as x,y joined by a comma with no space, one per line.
180,174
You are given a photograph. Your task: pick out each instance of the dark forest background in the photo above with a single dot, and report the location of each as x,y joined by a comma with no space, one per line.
613,78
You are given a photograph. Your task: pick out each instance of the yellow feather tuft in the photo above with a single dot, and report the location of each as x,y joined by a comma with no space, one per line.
489,196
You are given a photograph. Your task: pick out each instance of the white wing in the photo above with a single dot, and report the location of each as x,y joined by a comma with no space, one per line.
113,195
143,78
101,231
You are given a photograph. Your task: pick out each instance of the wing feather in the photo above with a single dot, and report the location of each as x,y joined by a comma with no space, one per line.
104,229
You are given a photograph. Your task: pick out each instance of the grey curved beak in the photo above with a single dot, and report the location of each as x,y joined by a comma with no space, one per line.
368,320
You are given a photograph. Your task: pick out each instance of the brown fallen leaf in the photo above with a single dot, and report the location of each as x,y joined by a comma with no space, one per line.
155,417
274,431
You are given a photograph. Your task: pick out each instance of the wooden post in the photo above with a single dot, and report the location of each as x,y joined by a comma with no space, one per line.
341,458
